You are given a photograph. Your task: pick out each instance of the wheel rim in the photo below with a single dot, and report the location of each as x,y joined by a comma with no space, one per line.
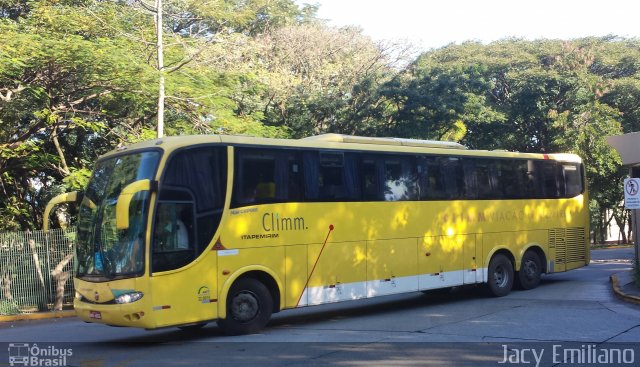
500,276
530,269
245,306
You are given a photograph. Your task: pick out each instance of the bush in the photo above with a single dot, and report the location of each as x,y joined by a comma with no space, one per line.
9,308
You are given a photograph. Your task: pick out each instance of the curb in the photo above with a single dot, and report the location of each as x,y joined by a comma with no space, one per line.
618,292
38,316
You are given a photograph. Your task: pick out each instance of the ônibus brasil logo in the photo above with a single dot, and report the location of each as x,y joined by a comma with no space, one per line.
25,354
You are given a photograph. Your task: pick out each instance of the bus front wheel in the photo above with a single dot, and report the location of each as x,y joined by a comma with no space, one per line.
249,307
501,276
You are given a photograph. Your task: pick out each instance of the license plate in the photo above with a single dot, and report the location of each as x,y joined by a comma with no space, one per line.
95,315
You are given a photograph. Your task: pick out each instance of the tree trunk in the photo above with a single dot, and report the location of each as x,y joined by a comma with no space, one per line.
5,280
602,225
160,55
41,289
620,216
61,278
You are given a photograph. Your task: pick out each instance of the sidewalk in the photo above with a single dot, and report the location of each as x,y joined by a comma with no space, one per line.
38,316
625,288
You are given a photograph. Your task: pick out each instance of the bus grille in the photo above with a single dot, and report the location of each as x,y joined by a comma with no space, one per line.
569,244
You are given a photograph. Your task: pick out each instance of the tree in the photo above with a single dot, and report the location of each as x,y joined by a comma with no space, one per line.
532,96
316,79
192,26
77,78
57,92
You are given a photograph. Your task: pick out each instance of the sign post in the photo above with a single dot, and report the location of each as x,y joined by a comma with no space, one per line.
632,202
629,150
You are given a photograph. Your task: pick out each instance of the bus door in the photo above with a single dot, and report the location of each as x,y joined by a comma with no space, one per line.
182,289
188,211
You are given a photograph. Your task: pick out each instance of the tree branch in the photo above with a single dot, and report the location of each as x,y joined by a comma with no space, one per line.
9,92
126,35
56,143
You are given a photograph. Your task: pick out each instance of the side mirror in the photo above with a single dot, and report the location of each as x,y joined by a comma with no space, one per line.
124,201
67,197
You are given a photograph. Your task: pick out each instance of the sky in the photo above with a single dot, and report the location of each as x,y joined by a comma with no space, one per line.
433,24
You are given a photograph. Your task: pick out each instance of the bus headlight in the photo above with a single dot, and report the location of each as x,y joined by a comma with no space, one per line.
128,297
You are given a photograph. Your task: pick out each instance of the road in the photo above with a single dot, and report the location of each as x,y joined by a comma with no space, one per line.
572,311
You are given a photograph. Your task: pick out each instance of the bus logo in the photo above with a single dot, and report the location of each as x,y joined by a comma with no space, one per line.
274,222
18,354
25,354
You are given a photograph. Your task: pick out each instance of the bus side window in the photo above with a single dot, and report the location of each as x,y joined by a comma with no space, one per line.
452,176
526,176
507,180
400,179
173,236
331,183
486,180
174,227
267,176
369,179
470,190
431,180
295,190
265,189
550,178
533,180
255,177
331,176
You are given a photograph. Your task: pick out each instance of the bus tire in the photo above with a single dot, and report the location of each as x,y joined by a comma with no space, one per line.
501,276
249,307
530,271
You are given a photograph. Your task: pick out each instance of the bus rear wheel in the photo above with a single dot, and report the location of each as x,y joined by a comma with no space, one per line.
530,271
249,307
501,276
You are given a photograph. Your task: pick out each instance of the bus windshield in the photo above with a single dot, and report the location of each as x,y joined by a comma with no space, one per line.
102,250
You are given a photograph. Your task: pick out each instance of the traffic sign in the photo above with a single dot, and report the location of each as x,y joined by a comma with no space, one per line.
632,193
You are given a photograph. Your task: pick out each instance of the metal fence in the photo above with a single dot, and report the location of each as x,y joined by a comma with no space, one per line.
36,271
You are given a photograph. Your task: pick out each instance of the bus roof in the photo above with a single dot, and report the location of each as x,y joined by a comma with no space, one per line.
340,141
341,138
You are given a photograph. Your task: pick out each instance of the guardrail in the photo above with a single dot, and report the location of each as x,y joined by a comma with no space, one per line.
36,271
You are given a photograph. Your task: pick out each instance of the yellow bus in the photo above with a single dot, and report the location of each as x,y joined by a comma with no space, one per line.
181,231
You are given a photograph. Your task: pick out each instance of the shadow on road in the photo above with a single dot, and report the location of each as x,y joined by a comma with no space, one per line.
338,311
